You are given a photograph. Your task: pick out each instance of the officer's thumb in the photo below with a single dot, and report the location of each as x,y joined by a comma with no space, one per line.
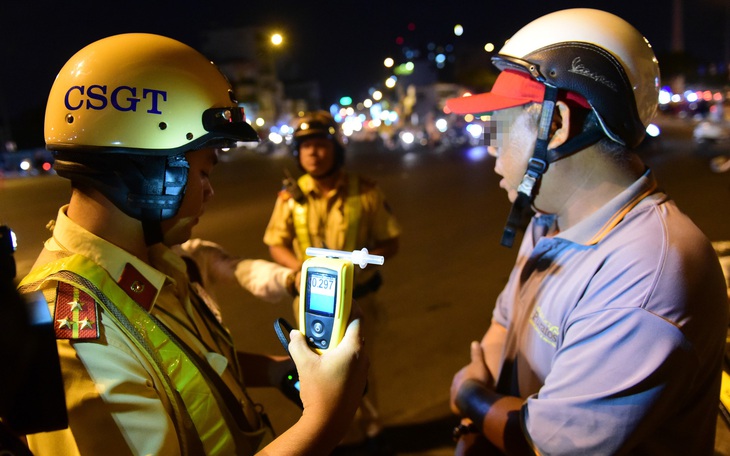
298,348
352,335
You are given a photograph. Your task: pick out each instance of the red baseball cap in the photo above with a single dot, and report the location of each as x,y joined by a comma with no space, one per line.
512,88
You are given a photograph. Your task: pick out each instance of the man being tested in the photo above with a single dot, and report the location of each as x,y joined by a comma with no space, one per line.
135,121
609,335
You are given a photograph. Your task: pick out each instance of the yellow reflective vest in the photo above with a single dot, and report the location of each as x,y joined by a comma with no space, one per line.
207,416
353,210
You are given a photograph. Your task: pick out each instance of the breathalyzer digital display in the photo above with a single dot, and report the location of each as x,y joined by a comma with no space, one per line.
325,300
321,285
325,296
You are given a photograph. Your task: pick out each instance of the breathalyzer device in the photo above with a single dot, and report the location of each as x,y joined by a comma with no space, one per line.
325,296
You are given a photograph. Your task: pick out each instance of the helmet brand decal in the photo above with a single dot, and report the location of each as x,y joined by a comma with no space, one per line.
577,67
122,98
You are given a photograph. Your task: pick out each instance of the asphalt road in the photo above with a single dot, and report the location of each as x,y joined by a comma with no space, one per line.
438,291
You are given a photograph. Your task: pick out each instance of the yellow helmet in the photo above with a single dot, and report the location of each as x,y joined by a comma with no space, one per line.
143,94
316,123
124,110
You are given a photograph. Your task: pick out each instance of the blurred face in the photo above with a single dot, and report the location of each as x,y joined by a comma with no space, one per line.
516,131
317,156
198,192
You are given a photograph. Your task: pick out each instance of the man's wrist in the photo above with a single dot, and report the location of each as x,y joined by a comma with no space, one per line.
291,285
474,400
464,428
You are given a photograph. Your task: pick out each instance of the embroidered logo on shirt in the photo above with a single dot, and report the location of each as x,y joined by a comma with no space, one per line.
546,330
75,315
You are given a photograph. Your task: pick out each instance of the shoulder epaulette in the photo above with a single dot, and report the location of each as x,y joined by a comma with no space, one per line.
75,315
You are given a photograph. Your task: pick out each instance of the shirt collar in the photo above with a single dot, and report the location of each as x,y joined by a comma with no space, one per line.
595,227
309,186
170,263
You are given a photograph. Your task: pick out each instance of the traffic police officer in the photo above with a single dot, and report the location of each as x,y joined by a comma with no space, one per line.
135,121
330,208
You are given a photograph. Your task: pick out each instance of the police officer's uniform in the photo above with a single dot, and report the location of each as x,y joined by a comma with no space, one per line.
181,392
328,221
351,216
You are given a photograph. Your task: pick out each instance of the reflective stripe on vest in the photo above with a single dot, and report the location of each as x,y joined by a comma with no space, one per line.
353,210
181,372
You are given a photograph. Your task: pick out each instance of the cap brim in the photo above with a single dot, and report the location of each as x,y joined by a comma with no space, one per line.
483,103
512,88
239,131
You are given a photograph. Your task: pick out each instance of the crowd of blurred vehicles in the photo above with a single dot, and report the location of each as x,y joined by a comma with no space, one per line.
708,109
708,112
442,133
392,130
22,163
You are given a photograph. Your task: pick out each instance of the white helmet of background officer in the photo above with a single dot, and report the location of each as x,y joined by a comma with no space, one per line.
123,111
588,58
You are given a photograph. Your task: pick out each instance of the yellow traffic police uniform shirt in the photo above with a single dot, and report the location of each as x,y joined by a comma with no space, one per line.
116,402
328,223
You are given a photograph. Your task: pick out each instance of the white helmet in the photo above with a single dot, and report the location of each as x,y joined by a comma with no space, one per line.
597,55
591,57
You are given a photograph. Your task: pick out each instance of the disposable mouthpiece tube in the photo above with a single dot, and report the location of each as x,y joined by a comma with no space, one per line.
359,257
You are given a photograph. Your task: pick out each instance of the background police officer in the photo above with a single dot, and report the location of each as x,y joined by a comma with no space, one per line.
330,208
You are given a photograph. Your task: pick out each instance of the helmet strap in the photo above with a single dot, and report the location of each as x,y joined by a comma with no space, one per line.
590,134
165,205
521,211
158,189
152,230
145,187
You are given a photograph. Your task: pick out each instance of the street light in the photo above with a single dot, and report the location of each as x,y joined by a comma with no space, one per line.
272,85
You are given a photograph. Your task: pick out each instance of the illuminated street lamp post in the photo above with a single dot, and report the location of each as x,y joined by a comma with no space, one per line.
276,43
277,39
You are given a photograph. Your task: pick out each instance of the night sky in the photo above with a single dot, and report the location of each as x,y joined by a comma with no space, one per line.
37,39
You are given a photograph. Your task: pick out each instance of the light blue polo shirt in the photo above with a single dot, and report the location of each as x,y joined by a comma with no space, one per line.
617,327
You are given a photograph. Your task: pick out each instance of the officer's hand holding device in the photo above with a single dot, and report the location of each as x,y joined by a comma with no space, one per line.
325,302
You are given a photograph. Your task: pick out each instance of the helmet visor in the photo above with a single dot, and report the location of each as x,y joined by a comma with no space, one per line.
229,123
